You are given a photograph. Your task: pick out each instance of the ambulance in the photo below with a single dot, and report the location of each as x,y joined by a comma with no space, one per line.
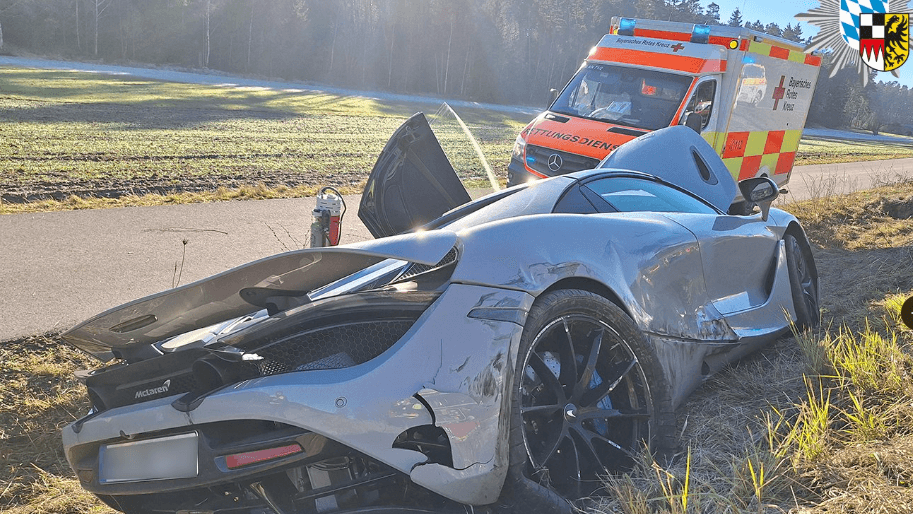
746,93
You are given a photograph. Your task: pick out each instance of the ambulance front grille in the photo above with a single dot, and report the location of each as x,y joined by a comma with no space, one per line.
537,158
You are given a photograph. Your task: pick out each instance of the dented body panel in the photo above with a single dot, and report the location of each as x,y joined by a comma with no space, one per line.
338,378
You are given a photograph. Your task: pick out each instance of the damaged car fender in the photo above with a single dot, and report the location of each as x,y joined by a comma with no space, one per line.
588,248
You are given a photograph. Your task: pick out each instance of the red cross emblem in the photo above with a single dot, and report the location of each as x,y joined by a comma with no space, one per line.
677,47
779,91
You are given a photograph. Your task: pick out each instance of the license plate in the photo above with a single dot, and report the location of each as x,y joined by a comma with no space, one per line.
164,458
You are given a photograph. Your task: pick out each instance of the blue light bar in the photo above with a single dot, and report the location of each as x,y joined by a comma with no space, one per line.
626,27
700,34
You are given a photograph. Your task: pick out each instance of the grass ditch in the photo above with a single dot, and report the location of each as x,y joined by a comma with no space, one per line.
817,423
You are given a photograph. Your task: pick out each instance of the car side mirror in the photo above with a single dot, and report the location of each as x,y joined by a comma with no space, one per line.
694,121
760,191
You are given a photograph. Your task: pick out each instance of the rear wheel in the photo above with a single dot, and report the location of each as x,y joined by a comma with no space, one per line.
803,282
588,394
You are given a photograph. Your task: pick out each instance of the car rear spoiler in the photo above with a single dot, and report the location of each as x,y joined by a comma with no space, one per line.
241,291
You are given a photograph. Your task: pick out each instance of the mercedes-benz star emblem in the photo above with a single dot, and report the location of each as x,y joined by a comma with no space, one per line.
555,162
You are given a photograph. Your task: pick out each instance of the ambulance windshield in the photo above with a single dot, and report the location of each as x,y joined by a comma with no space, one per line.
627,96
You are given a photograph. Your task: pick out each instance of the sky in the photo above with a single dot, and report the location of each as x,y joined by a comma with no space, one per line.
782,12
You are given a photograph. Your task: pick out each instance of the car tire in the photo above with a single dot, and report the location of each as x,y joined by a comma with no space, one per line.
588,393
803,282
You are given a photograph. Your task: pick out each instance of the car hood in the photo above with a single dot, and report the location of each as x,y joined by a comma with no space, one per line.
412,182
680,156
245,290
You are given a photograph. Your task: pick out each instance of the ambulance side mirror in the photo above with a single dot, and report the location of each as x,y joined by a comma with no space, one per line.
694,121
552,96
760,191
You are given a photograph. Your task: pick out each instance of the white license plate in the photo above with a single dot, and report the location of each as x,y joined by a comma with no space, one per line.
153,459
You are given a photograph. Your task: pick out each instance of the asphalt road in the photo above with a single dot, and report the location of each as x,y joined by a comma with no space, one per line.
60,268
820,180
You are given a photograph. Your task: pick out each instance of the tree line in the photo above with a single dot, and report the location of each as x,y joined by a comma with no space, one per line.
504,51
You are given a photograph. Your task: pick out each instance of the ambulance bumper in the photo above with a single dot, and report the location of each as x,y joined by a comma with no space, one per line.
517,173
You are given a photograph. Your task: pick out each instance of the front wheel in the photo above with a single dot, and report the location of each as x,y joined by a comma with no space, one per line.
588,393
803,282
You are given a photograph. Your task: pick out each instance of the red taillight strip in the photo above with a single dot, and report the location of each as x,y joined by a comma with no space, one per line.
239,460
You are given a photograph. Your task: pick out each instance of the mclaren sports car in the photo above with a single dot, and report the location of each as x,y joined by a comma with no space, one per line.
500,354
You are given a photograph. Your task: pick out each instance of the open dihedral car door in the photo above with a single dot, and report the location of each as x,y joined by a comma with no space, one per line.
412,182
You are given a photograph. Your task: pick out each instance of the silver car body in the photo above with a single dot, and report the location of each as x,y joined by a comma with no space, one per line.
703,289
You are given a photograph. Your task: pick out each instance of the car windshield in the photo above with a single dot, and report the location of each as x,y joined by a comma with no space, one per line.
627,96
629,194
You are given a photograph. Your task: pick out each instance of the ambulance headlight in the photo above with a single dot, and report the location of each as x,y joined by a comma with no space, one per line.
519,148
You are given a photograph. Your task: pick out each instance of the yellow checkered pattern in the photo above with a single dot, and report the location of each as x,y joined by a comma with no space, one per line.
745,153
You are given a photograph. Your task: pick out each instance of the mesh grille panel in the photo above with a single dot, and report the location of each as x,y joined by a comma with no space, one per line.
332,347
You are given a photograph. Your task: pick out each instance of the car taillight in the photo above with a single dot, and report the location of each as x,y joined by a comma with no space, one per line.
240,460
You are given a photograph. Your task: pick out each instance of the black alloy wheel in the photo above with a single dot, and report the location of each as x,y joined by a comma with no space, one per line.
589,394
803,282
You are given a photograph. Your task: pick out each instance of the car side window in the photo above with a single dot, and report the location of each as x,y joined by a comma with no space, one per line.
702,101
574,202
630,194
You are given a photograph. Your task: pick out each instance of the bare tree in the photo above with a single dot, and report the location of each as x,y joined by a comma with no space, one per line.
12,5
100,6
208,15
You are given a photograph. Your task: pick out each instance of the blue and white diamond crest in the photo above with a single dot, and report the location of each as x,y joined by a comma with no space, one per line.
849,17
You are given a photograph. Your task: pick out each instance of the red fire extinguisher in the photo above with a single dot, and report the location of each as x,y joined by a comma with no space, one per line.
326,226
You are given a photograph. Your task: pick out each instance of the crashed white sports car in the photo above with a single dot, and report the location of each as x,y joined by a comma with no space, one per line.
507,354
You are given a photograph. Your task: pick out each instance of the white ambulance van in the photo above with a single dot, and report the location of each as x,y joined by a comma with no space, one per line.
747,93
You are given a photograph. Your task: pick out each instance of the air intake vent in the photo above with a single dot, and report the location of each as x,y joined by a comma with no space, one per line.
416,268
336,347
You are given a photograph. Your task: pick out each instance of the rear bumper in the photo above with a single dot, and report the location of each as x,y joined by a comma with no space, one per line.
451,369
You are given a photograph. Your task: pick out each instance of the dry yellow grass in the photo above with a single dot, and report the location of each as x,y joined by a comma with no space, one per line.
221,194
822,426
38,395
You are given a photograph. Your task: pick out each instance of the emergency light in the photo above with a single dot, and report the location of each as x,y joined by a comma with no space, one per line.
700,34
626,27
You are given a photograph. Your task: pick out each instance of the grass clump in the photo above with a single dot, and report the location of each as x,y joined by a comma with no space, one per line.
38,396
